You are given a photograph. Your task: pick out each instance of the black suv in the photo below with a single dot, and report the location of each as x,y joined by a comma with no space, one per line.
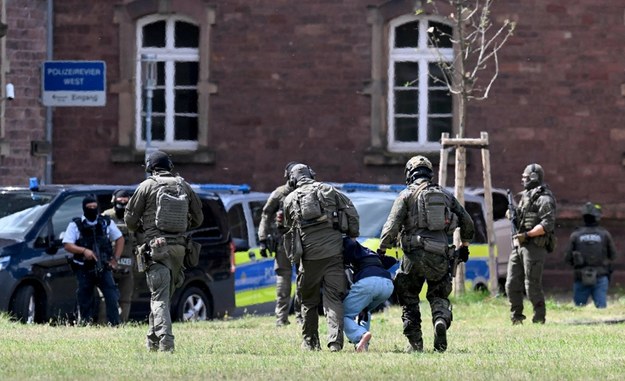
38,285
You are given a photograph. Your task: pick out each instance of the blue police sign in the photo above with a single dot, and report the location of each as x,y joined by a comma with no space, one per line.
74,83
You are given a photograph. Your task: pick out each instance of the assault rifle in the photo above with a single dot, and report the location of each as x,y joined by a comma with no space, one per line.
512,216
100,262
100,265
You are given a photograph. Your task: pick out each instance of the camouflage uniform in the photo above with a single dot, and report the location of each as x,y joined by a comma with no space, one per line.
525,266
322,260
163,277
283,266
124,275
418,265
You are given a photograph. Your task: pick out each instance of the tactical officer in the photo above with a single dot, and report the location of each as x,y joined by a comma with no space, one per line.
535,223
272,229
425,216
321,214
89,239
591,252
124,274
163,230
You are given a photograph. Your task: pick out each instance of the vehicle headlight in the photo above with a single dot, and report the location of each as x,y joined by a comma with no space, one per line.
4,262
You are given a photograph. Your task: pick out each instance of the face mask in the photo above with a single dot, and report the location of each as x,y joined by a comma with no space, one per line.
120,209
90,214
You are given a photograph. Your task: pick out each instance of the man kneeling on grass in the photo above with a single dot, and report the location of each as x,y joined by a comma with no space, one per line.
372,286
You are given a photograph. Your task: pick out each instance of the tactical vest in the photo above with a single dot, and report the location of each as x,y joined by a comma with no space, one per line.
590,242
529,208
172,204
428,209
95,237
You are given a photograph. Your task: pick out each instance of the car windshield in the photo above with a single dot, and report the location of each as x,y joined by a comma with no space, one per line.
372,211
19,211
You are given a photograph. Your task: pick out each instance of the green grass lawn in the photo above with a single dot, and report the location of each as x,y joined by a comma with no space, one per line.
574,344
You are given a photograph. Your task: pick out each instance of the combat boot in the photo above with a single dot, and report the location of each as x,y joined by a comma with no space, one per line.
415,344
440,335
517,320
311,344
334,347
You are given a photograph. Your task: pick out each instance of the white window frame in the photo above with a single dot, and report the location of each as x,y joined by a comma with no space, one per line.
169,55
424,55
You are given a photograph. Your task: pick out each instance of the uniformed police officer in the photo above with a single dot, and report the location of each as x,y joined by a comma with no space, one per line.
165,270
323,215
591,252
535,223
425,223
272,225
89,239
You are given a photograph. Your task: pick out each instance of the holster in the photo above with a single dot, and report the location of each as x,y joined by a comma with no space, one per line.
140,257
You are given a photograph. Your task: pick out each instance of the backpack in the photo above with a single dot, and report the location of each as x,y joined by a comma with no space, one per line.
433,211
172,205
310,206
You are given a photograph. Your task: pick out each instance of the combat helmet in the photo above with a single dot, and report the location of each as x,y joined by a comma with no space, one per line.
590,209
533,176
299,172
417,166
287,169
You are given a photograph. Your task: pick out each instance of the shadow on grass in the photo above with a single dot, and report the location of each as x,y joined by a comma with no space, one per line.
593,321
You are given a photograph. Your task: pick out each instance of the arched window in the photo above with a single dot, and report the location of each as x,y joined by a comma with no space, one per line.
174,41
420,106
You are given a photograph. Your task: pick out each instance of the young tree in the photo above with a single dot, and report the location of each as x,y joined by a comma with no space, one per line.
476,41
470,74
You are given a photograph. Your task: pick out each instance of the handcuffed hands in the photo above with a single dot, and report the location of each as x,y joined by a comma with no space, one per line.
381,252
463,253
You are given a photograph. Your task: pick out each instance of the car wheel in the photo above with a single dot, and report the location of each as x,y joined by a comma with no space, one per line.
25,305
194,305
481,287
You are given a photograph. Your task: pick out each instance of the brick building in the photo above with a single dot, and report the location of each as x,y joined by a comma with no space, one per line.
246,86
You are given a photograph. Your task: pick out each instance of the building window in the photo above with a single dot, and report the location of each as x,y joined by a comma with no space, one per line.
420,106
175,42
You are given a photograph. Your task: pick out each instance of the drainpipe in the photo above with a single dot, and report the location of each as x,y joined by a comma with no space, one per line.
49,48
4,148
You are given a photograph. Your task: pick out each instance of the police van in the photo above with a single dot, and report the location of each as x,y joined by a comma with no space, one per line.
255,277
37,283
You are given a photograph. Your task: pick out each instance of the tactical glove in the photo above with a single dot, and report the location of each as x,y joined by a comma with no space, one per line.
521,238
463,253
263,249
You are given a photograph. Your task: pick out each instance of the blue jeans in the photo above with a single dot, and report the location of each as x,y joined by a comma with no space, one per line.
367,293
598,292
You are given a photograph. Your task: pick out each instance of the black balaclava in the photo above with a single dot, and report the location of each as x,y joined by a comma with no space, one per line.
90,214
590,220
119,207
